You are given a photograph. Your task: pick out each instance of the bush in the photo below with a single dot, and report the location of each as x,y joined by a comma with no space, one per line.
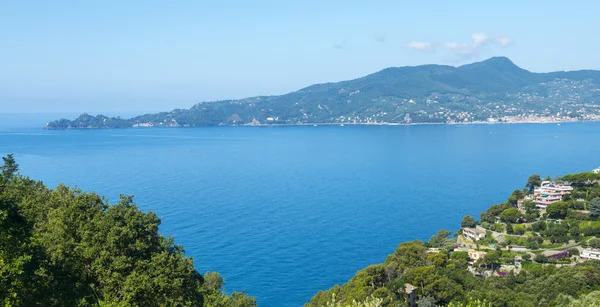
594,242
589,230
510,215
459,255
509,229
539,226
577,205
531,244
573,251
540,258
520,229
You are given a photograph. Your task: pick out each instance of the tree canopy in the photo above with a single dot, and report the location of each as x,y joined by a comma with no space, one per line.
510,215
533,182
558,210
65,247
468,221
595,207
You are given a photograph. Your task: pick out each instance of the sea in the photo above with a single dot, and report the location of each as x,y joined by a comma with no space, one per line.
283,212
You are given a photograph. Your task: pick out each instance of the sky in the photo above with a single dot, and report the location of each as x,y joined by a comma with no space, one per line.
146,56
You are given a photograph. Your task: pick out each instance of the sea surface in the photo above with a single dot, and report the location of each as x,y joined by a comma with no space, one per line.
284,212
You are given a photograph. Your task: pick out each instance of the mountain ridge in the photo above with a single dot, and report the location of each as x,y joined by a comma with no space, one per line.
494,89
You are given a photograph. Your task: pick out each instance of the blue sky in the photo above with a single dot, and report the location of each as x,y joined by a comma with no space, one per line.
137,56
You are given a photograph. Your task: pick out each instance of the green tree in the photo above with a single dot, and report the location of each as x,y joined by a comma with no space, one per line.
492,259
594,242
468,221
439,239
531,243
558,210
510,215
589,230
533,182
573,251
64,247
509,228
514,198
540,258
595,207
539,226
530,206
591,299
475,303
426,301
486,217
460,256
574,229
520,229
9,168
368,302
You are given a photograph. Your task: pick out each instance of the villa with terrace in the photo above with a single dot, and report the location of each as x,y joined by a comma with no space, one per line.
474,234
550,192
475,255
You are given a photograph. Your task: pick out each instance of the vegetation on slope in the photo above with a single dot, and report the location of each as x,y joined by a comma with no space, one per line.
445,275
495,88
64,247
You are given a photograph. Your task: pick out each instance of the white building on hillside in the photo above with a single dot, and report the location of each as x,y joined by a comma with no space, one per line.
474,234
590,254
475,255
550,192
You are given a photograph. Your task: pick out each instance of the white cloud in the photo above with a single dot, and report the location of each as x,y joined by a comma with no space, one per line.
478,42
504,41
479,39
461,48
416,45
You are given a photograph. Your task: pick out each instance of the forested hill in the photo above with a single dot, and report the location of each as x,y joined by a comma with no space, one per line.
64,247
495,90
523,252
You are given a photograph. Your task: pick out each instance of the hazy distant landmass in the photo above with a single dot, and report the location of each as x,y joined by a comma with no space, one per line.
494,90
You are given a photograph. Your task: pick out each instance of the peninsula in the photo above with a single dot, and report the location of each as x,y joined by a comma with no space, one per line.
494,90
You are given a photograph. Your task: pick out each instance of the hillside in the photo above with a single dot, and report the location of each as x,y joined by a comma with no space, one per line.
532,250
492,90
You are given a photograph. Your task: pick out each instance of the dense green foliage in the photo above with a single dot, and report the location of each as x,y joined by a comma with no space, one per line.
494,88
468,221
64,247
445,276
558,210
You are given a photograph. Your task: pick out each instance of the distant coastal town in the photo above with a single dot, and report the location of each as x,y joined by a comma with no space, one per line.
491,91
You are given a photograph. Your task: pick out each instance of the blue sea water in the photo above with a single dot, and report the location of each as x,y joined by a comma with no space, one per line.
284,212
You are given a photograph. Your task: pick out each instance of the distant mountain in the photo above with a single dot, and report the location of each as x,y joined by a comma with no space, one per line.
492,90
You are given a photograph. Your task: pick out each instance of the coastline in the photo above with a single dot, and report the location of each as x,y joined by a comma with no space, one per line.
344,124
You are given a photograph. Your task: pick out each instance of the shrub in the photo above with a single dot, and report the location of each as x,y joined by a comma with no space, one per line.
540,258
573,251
